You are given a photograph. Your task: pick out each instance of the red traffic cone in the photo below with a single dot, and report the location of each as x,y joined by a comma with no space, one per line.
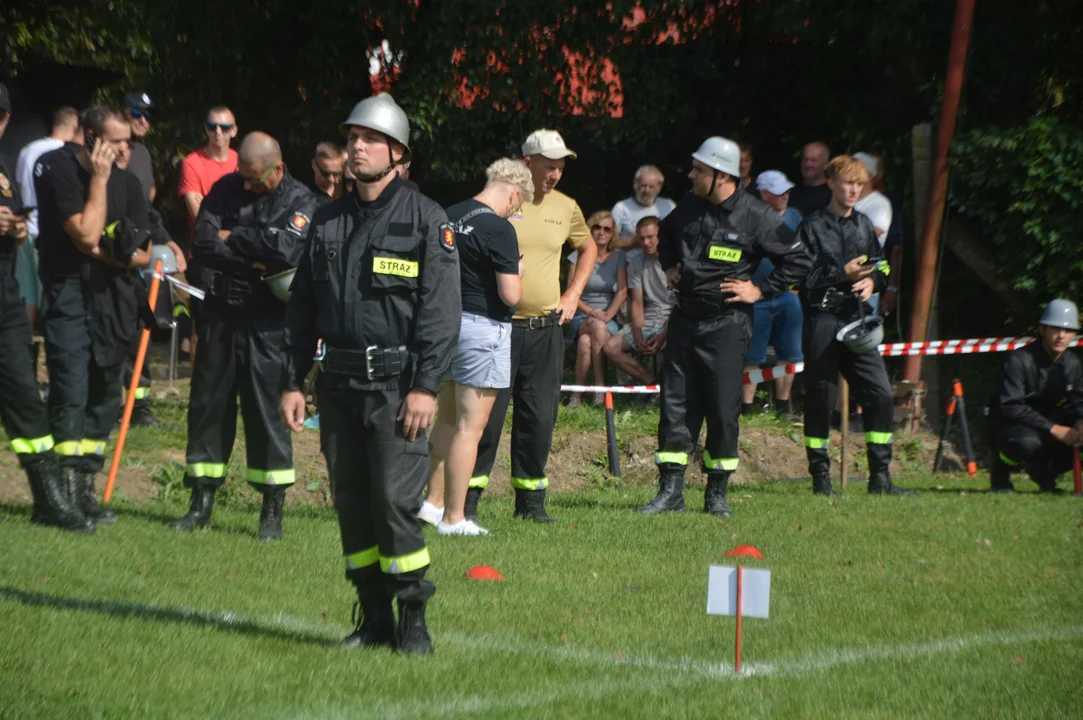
745,551
483,572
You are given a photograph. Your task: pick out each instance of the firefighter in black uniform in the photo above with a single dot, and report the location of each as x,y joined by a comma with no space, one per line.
844,272
93,237
1036,415
379,283
250,226
21,410
709,247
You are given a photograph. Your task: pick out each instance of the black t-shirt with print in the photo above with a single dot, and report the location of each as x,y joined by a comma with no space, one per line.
487,246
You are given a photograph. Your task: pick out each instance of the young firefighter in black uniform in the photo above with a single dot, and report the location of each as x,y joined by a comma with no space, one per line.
842,242
1037,412
709,247
21,409
250,225
379,283
93,236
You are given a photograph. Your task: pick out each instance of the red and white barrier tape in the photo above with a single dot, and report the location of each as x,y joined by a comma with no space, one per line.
754,377
193,291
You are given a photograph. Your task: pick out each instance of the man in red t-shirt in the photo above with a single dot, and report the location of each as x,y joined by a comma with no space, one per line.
202,169
198,172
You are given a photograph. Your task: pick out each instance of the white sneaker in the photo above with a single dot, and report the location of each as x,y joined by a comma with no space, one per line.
430,514
466,527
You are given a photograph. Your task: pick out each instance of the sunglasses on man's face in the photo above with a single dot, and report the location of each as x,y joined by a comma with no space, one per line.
141,114
224,127
603,228
336,174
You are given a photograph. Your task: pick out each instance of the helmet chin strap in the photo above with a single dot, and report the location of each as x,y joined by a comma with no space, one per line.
714,183
369,179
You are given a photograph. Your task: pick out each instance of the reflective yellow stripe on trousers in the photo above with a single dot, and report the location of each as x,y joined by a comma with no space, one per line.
405,563
364,558
711,463
270,477
32,446
530,483
677,458
481,481
206,470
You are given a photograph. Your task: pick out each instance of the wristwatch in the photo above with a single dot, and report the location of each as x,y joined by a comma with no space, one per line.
891,289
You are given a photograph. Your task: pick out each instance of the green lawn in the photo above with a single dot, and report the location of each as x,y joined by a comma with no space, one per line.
950,605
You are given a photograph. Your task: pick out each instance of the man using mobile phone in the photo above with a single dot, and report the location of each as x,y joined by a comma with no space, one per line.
21,410
93,222
844,273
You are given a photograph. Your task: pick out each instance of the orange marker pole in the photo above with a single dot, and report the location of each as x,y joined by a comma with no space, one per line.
737,660
129,402
844,473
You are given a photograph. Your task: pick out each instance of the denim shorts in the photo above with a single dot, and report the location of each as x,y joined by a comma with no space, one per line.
483,356
578,319
628,335
776,321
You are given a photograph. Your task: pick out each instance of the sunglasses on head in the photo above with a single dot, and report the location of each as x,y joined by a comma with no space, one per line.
140,114
329,173
603,228
224,127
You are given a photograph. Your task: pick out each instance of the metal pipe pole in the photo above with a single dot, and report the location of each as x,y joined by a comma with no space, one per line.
925,276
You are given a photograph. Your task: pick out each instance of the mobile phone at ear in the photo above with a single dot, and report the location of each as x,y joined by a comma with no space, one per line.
90,140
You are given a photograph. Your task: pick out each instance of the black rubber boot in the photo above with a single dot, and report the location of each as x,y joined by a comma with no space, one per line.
470,507
821,484
142,416
714,498
52,499
1000,478
270,515
199,509
374,624
413,637
670,497
530,505
880,484
87,502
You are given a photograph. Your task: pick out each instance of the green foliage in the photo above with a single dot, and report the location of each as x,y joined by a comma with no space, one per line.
1025,185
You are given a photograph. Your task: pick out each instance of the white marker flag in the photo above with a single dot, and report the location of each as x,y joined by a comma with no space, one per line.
722,591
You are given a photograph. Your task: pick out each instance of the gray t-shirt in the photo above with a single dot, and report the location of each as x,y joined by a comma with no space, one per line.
601,287
645,273
140,166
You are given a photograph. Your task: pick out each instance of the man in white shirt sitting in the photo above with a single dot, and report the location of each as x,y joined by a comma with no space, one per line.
644,202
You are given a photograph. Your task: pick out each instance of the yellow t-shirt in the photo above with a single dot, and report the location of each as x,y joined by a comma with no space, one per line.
542,229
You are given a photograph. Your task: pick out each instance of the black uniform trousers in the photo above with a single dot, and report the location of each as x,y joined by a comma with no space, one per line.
537,363
702,371
377,477
1020,447
21,410
240,356
84,396
825,358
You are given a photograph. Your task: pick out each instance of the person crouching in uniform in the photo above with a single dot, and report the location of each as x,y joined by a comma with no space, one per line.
93,236
379,284
709,246
1036,415
250,225
844,273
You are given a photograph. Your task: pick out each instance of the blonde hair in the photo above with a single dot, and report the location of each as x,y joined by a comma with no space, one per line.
845,167
514,173
596,219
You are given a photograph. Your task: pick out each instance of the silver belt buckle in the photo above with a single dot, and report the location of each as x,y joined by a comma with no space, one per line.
321,353
368,361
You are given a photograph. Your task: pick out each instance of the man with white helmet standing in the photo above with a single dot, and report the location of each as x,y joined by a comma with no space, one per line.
379,284
250,226
1036,415
710,246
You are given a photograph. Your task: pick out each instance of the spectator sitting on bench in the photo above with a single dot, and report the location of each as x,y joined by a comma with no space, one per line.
594,322
652,300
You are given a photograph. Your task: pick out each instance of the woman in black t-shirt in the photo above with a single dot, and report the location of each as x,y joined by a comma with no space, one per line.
489,274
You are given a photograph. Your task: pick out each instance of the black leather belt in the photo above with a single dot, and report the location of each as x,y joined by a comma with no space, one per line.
228,288
834,301
372,363
536,323
703,307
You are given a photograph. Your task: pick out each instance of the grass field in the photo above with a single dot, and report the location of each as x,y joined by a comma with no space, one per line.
956,604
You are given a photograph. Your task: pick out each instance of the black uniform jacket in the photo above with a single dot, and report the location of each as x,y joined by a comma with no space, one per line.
266,234
713,243
382,274
1035,392
833,242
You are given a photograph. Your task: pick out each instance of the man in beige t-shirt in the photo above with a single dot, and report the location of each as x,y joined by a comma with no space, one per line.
537,341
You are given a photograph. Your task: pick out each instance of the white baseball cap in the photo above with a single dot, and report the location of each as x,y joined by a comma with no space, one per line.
547,143
871,164
774,182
